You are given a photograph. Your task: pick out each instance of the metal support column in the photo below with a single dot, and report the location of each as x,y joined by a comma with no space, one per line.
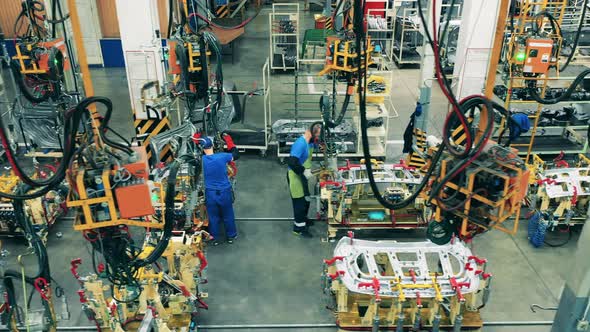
474,49
427,68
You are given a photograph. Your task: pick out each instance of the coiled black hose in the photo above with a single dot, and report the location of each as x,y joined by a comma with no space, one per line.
169,214
532,88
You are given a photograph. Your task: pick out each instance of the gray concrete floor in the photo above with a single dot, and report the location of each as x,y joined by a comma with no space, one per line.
269,276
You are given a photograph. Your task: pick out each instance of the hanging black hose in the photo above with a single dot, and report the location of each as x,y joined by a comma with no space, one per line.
24,89
30,9
465,157
169,214
533,91
554,24
34,241
324,108
170,17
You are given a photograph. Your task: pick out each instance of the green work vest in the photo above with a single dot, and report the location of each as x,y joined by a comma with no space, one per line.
295,183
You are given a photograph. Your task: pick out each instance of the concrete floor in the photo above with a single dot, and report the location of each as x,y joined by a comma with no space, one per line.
270,277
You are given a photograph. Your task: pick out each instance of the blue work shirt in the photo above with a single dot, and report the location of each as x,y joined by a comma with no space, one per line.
215,170
300,150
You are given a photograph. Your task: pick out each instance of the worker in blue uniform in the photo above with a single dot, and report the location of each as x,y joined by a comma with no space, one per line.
299,162
218,189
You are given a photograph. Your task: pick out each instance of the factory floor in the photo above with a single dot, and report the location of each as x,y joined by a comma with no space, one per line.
271,277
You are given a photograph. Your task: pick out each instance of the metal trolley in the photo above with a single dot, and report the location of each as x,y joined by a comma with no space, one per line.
284,36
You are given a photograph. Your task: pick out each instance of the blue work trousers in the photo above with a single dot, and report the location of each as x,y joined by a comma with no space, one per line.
220,209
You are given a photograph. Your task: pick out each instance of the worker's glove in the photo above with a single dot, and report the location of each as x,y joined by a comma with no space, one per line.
307,173
228,141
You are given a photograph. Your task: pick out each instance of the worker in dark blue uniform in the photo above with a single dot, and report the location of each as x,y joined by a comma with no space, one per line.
299,162
218,189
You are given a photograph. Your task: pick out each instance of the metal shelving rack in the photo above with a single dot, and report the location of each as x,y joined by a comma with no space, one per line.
284,27
529,8
258,138
380,26
570,23
406,30
309,87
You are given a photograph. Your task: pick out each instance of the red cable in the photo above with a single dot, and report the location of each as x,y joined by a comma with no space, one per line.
479,150
437,67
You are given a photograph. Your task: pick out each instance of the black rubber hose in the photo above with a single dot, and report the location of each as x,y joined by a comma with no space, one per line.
104,123
532,89
182,57
326,115
72,122
469,104
56,71
34,240
20,82
449,13
69,135
170,17
169,215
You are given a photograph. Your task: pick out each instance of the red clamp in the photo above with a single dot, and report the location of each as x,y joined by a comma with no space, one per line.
333,260
546,180
82,296
351,236
402,164
41,287
330,183
345,168
100,268
203,261
375,285
413,275
457,287
575,196
559,157
468,266
153,309
478,261
75,263
562,163
185,291
113,308
484,275
418,299
333,276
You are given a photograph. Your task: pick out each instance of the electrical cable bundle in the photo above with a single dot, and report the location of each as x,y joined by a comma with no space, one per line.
31,11
72,121
196,14
465,154
38,88
324,109
205,39
40,251
117,247
533,91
